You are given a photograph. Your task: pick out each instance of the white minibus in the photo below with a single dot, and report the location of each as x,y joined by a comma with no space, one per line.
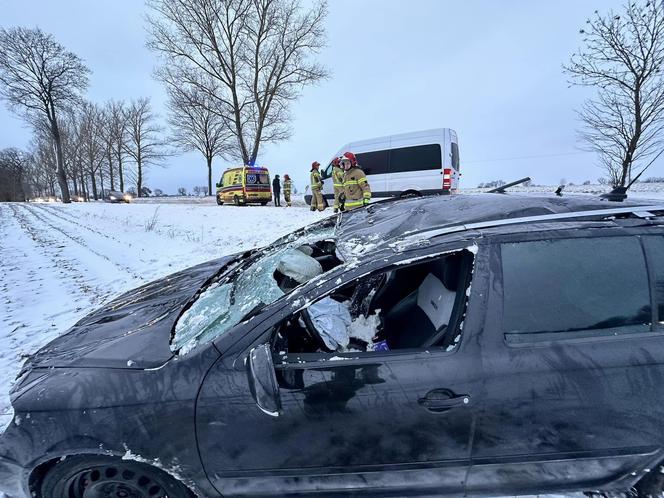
416,163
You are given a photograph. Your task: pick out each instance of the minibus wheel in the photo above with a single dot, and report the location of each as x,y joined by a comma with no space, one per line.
236,200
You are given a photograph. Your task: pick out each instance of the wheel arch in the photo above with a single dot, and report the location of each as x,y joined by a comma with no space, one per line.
47,464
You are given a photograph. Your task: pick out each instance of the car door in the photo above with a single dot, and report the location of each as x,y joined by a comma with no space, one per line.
574,366
397,421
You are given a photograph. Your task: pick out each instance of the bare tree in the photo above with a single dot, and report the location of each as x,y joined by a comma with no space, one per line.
117,128
92,145
182,191
43,169
40,79
195,126
144,143
250,57
622,59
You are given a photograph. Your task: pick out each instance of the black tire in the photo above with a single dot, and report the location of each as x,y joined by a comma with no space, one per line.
264,203
219,201
652,484
409,194
97,477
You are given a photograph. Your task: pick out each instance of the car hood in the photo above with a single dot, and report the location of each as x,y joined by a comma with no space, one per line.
133,330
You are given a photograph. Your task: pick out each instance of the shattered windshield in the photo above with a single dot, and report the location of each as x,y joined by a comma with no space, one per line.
225,303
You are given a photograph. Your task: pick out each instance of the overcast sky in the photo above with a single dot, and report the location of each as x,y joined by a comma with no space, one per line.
491,70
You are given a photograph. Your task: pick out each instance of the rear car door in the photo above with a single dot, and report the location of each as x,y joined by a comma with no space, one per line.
574,365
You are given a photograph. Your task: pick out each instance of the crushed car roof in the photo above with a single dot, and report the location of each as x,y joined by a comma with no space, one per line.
386,221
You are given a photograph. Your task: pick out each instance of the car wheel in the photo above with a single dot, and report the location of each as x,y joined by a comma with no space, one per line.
219,201
652,484
99,477
264,203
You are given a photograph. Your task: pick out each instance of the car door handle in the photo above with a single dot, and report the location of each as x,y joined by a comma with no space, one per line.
441,400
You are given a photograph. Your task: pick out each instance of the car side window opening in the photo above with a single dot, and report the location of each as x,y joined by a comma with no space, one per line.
554,289
409,307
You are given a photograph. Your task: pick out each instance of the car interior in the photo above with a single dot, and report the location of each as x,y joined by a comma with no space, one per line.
416,306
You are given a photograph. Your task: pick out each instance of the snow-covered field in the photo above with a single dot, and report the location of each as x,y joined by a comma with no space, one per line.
58,262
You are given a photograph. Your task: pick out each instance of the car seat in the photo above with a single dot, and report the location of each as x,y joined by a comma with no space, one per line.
421,315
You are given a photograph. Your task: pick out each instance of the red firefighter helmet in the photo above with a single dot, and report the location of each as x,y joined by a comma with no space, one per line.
351,157
336,161
286,177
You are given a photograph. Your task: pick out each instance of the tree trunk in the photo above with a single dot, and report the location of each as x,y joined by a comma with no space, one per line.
209,167
101,180
120,173
94,185
139,176
60,171
110,168
634,142
83,189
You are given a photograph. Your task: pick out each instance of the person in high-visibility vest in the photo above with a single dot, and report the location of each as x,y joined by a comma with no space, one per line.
357,192
338,183
288,188
316,187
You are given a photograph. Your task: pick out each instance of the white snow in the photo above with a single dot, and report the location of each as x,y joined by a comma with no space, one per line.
59,262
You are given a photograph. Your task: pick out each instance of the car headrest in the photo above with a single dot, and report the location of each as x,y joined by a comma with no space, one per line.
435,300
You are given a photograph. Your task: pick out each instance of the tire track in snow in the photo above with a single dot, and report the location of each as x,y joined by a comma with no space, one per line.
50,249
72,220
81,242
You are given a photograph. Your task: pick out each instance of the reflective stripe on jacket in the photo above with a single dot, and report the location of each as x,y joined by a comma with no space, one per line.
337,178
356,188
288,185
316,182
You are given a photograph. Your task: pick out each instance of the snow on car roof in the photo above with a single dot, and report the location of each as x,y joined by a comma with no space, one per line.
389,220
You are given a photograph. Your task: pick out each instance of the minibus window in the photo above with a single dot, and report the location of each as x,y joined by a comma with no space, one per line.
418,158
455,156
374,163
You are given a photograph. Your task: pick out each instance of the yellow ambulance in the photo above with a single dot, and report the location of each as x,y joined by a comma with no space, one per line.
244,185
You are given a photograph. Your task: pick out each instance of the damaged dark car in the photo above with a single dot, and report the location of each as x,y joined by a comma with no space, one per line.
455,345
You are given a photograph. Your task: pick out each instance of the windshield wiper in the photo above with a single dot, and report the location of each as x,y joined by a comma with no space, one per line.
252,312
